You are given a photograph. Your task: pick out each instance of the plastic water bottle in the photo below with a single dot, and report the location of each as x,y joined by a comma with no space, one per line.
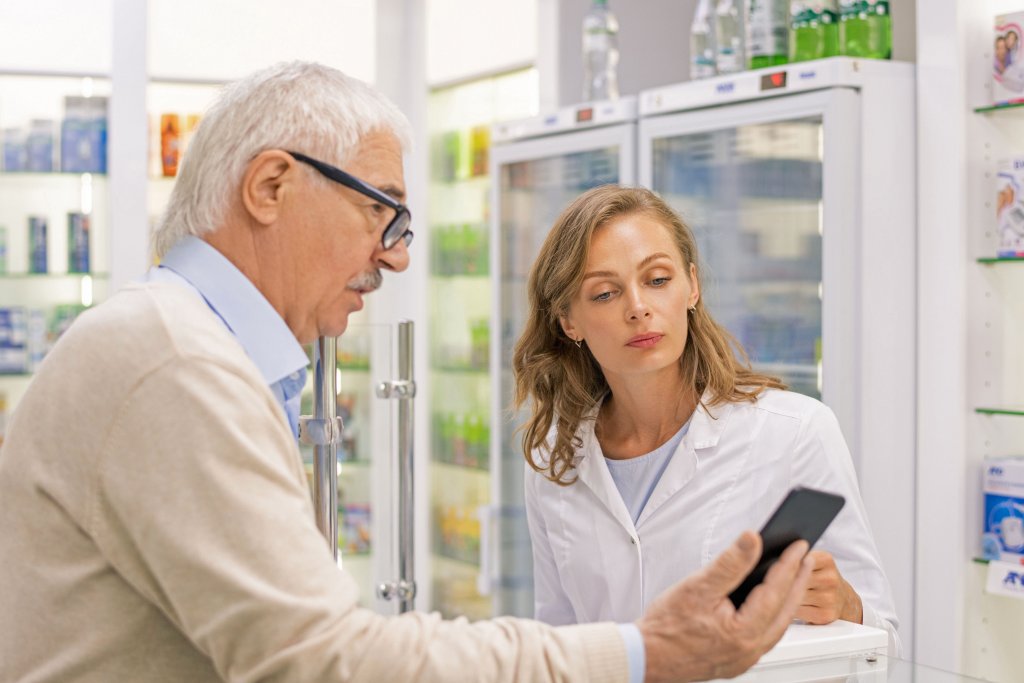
600,53
730,36
768,33
865,28
815,30
702,41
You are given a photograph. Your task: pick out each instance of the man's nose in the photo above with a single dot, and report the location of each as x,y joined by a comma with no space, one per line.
395,259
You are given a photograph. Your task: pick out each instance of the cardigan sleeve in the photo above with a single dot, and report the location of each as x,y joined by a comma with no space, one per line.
201,505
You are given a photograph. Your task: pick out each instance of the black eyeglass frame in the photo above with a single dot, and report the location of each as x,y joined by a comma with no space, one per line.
396,229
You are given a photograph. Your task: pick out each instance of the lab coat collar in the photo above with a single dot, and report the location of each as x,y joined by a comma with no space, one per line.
706,428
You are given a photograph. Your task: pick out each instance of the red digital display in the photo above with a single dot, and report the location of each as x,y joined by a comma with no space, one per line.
584,115
773,80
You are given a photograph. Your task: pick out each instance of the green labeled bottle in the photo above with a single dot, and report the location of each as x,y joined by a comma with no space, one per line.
768,33
814,30
865,29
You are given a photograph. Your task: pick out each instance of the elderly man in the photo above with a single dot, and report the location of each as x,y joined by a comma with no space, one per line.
156,524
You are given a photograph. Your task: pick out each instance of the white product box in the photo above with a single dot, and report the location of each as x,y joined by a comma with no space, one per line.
1010,206
1003,487
1008,59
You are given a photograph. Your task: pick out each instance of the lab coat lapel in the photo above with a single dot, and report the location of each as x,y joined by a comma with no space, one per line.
593,473
705,430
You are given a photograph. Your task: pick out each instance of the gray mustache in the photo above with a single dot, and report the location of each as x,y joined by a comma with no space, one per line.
366,282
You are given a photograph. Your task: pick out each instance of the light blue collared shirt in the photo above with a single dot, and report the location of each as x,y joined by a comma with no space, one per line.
245,312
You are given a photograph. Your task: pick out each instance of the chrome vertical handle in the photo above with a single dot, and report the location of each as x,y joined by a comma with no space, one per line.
404,390
323,432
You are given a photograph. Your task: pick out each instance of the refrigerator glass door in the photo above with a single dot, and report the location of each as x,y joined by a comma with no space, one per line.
459,382
536,180
367,467
750,181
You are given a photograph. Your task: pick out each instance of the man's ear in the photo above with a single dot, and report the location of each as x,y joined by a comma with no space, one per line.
264,183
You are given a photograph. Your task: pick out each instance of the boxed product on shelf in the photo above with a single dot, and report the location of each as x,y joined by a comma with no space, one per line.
40,146
15,150
1010,206
37,262
79,227
83,143
13,336
1003,488
355,528
1008,59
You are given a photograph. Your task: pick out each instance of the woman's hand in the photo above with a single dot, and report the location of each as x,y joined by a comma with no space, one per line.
829,596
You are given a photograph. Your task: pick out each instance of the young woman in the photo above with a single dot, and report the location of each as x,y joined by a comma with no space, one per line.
652,444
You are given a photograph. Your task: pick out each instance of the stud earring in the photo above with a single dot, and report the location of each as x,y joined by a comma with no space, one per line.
579,343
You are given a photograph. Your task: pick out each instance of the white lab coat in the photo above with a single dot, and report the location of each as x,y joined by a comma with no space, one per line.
731,470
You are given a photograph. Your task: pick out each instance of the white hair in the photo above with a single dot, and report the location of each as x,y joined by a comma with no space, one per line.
298,106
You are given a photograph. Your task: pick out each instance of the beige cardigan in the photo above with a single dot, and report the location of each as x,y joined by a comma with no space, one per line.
155,525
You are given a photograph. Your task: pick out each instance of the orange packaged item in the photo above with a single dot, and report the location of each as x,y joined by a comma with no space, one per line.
170,135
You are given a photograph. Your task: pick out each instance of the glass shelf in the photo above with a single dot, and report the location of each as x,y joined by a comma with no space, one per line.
460,369
1017,412
990,260
998,107
52,276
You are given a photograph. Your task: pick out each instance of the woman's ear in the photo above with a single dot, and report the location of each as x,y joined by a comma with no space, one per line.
694,287
567,327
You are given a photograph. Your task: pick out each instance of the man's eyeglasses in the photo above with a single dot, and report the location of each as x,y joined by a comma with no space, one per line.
397,228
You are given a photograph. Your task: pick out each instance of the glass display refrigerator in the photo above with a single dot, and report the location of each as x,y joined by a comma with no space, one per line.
539,166
459,119
799,183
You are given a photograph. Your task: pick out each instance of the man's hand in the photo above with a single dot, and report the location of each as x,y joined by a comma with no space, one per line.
692,631
829,596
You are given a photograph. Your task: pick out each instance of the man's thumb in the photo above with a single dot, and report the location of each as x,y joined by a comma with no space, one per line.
729,569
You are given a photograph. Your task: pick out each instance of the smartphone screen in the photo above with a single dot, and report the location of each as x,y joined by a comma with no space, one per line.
804,513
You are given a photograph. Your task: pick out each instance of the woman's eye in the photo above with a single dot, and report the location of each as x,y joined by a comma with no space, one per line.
603,296
660,281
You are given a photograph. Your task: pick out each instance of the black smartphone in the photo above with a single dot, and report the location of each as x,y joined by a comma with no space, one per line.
804,513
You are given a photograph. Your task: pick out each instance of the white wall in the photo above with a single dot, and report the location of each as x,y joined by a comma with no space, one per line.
469,38
226,39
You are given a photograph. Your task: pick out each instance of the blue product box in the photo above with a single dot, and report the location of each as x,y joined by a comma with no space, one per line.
15,150
83,141
13,335
40,146
37,244
1003,533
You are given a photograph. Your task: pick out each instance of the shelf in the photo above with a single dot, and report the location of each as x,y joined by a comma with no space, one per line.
50,174
441,554
990,260
998,107
1016,412
52,276
475,277
461,468
15,375
357,367
460,369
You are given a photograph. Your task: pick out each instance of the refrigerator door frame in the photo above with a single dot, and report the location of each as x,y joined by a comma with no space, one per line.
840,139
877,335
623,135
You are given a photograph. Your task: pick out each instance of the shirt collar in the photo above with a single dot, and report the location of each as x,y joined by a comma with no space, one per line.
258,327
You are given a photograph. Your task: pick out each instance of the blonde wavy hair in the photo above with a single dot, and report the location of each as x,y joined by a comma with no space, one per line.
564,381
